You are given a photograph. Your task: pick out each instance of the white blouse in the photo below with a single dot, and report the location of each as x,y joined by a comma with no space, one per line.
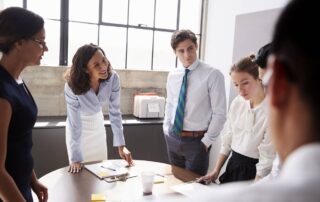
91,103
245,132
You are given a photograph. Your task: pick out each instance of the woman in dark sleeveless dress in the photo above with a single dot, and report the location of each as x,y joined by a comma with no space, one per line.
22,43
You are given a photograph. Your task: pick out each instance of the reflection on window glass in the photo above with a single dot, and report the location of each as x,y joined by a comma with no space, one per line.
139,49
51,57
113,42
115,11
141,13
9,3
47,9
84,10
188,21
166,14
77,37
164,57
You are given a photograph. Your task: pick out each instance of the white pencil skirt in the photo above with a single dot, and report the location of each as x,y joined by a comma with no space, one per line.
93,137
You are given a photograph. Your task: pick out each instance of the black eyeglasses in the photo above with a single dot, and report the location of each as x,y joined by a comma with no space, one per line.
43,44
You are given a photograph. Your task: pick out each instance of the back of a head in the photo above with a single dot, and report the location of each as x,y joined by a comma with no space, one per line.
296,44
16,24
262,56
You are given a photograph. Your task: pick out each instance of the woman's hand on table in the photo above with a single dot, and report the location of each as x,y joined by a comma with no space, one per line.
75,167
126,155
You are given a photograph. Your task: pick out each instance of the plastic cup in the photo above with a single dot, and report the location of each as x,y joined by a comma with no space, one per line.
147,182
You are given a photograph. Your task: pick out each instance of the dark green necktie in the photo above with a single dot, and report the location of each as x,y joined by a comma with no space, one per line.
178,119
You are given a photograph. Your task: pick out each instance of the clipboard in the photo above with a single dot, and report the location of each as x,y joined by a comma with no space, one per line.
109,171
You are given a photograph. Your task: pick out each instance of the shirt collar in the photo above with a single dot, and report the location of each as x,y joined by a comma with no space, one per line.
194,65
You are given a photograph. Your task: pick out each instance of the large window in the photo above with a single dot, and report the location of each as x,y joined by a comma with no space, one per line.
135,34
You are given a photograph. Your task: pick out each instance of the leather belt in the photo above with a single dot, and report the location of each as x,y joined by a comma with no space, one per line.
192,133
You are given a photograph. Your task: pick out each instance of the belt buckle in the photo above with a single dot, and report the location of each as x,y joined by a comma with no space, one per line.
195,134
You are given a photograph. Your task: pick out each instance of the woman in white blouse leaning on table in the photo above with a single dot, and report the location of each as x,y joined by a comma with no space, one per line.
91,83
245,133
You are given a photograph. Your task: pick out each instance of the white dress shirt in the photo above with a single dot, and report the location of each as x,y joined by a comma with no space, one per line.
205,107
299,181
246,133
91,103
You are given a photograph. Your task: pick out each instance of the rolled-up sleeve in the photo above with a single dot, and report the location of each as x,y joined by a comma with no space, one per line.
73,128
115,113
226,139
266,156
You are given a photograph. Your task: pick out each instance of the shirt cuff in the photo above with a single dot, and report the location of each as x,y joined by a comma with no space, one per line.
206,141
263,173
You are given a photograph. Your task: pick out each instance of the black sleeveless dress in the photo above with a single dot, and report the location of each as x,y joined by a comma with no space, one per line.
19,161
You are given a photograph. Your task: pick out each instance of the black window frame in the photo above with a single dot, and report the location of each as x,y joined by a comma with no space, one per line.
64,28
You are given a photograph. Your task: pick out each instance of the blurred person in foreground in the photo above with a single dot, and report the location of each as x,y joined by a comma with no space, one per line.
22,43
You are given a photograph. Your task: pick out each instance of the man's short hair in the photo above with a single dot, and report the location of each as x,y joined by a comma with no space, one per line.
182,35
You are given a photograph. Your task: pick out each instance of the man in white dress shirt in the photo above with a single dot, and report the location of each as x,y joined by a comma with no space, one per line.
204,111
294,97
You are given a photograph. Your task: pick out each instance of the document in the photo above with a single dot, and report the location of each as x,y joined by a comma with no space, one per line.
111,170
188,188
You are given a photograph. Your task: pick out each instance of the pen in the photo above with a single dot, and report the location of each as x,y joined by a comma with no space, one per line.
159,175
108,168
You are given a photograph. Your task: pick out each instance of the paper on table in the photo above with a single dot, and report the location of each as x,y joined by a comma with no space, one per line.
106,169
98,198
188,188
158,179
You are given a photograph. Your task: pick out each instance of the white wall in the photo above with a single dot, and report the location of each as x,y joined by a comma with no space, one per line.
220,30
229,36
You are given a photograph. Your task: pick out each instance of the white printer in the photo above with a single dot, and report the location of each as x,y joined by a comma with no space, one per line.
148,106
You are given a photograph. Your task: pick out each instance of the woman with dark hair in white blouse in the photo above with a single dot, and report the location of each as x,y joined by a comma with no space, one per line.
91,84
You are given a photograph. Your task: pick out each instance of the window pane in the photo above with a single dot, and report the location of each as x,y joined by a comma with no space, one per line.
166,14
52,39
141,13
115,11
84,10
164,57
9,3
139,49
188,21
77,37
113,42
47,9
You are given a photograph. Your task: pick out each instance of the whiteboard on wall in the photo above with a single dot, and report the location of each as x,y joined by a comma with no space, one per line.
252,31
